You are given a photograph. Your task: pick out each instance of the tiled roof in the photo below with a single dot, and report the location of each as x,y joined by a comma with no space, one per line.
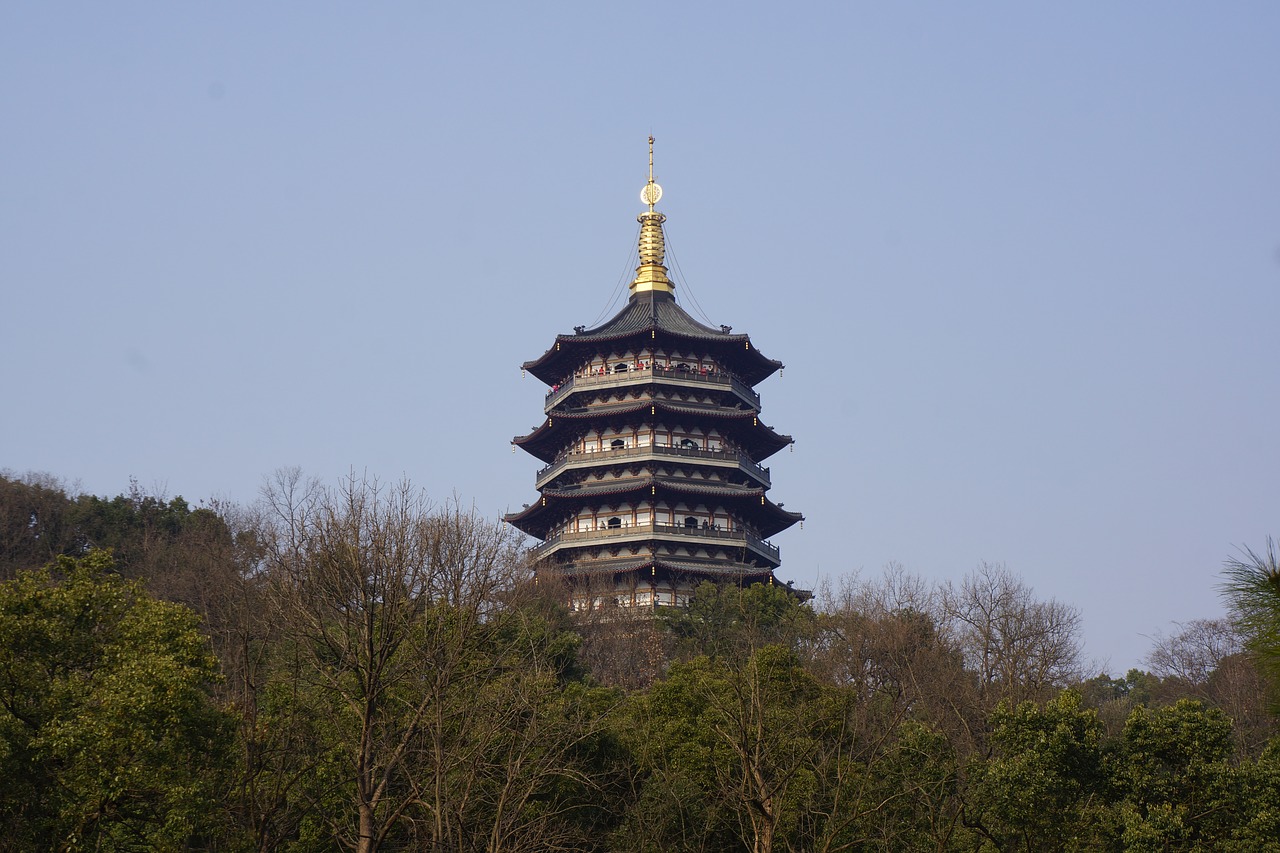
654,309
659,313
768,517
759,440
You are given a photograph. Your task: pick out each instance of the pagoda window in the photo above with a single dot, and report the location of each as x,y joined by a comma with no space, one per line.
688,444
615,523
617,444
690,521
620,367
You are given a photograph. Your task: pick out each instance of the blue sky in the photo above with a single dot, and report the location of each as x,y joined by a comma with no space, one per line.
1022,261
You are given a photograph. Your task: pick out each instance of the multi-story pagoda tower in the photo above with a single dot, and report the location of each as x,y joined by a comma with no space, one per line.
652,443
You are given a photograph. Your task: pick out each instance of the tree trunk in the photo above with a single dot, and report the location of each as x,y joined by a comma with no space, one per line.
367,842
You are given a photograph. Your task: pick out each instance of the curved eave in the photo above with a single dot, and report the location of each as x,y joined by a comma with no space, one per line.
761,441
535,519
650,314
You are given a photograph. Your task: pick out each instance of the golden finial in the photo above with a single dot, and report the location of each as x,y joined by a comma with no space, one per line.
651,192
651,274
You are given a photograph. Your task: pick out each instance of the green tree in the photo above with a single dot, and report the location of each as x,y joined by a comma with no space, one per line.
1257,828
729,754
918,804
1115,698
1252,590
108,736
1044,786
722,620
1180,791
33,524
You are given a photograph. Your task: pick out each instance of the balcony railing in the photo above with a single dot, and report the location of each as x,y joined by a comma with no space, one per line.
607,534
558,393
547,472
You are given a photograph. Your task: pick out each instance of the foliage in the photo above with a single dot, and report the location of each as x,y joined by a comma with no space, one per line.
1252,589
108,735
724,751
399,683
729,621
450,706
1178,786
1044,785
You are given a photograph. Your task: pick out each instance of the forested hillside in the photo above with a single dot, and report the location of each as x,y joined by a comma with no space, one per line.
354,667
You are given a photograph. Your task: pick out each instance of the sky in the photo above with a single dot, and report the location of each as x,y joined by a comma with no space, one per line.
1022,261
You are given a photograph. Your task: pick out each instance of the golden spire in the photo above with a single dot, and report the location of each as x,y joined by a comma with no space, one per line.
651,274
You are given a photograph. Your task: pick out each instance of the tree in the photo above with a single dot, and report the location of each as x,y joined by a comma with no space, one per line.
1206,660
723,745
1044,786
1179,789
1115,698
726,621
1019,648
886,640
1192,654
754,753
1252,590
446,711
1257,828
108,736
33,524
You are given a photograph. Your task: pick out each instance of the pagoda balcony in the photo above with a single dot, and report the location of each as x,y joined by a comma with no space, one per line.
645,532
670,375
587,459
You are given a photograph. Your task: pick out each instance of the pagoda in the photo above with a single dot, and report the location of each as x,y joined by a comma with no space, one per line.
652,449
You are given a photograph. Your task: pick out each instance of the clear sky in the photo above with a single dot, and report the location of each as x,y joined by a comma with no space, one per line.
1022,260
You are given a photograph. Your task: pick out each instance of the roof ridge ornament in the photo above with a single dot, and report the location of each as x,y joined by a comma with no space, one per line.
651,274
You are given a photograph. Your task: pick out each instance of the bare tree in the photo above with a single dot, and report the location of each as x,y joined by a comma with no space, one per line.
383,595
1194,652
1019,647
888,639
450,714
1207,660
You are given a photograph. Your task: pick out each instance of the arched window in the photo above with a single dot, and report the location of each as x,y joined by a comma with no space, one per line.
688,444
690,521
615,523
617,444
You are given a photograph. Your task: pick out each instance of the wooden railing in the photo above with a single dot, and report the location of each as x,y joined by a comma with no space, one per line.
607,533
558,393
547,471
